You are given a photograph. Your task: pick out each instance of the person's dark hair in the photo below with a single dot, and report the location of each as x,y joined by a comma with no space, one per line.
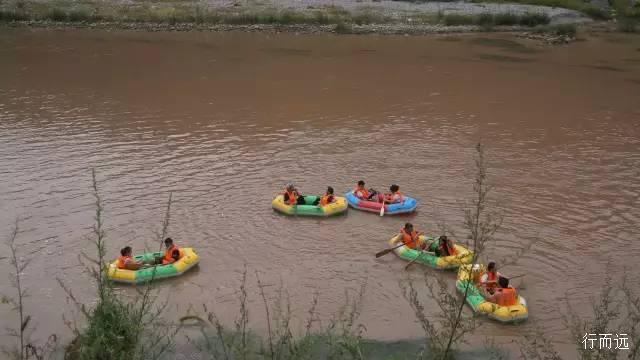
491,266
168,241
503,282
394,188
408,225
361,183
443,237
330,190
125,250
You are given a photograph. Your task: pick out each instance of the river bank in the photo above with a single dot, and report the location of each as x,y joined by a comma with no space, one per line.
310,16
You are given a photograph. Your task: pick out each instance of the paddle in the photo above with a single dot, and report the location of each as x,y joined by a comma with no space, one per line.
382,208
421,252
510,278
386,251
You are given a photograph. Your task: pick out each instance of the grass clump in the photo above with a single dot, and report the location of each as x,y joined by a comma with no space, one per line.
506,19
563,30
488,20
13,15
534,19
628,25
343,28
590,10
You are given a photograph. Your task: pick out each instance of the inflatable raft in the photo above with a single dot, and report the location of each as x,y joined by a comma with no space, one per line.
188,260
428,257
338,206
505,314
408,205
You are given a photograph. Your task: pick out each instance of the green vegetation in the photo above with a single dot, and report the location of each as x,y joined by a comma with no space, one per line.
569,30
593,11
487,20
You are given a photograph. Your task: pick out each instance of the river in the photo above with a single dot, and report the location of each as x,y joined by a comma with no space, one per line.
223,120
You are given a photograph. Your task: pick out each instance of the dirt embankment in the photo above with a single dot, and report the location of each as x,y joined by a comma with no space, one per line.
303,16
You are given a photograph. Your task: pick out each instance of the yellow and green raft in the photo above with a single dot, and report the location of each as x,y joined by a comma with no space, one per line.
506,314
338,206
188,260
428,258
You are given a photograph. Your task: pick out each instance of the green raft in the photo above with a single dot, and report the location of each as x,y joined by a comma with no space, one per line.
188,259
428,257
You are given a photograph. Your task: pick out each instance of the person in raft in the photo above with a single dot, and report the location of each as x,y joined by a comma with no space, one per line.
291,196
489,280
325,199
171,253
411,238
394,196
362,193
504,294
126,260
445,247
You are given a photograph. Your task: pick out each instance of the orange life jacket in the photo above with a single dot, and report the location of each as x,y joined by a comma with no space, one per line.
122,261
390,197
326,199
168,254
361,193
492,279
451,250
506,296
409,239
293,197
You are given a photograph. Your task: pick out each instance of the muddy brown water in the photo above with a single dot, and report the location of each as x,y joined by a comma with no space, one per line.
223,120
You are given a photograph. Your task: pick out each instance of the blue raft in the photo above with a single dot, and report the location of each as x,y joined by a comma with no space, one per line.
408,205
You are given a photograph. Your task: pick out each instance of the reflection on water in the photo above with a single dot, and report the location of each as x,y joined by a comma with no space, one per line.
224,120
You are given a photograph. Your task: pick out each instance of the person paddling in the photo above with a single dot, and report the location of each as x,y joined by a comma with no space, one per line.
445,247
411,238
394,196
171,254
489,280
362,193
291,196
504,294
126,260
325,199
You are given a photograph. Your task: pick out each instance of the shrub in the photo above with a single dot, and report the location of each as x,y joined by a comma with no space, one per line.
596,12
484,19
458,19
343,28
628,25
506,19
12,15
57,14
564,29
534,19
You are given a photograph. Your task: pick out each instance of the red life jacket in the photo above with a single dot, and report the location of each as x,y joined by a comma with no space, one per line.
168,254
506,296
361,193
410,239
122,261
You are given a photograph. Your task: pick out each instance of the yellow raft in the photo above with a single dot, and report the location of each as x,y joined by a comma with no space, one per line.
188,260
338,206
505,314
